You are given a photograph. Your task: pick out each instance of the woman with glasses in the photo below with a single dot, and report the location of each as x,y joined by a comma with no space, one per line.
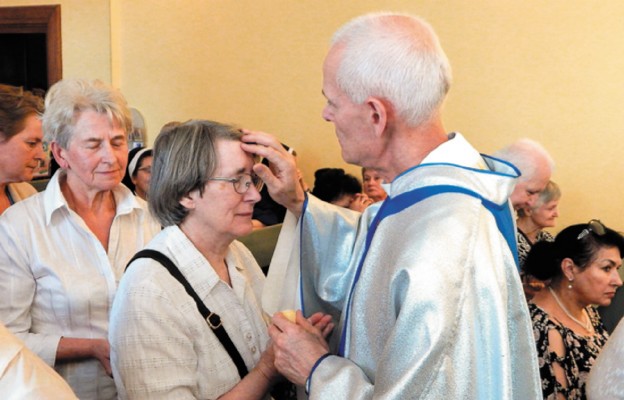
581,266
21,150
162,346
139,171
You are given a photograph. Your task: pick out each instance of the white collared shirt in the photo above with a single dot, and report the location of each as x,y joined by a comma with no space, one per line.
161,346
56,278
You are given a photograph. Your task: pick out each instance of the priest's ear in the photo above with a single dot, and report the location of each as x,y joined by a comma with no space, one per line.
381,114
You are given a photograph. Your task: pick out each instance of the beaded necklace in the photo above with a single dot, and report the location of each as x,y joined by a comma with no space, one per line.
586,325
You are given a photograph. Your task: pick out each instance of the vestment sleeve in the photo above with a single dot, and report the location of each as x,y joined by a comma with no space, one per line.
328,252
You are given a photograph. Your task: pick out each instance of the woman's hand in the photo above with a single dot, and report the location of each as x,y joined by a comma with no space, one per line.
101,352
80,348
359,202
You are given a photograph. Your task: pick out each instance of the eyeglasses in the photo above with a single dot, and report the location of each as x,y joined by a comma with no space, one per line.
594,226
243,182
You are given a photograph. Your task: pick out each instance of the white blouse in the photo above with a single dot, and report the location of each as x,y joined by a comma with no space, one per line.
161,346
57,279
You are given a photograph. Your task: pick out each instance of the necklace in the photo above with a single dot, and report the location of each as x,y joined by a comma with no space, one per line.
587,325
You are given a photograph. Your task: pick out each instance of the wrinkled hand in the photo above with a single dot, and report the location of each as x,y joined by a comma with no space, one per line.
298,346
282,179
100,349
323,322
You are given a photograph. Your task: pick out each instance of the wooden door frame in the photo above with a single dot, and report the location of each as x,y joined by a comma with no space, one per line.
38,19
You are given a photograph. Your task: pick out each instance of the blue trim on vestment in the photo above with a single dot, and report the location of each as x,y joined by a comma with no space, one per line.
472,169
392,206
308,382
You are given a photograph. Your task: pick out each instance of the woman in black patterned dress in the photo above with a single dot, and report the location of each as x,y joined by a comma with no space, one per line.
581,268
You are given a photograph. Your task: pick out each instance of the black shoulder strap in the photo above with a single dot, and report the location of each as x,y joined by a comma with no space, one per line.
213,320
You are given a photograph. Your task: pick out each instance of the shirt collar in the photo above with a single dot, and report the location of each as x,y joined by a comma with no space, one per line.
54,200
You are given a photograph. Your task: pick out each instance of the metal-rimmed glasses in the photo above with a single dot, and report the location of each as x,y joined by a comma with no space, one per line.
594,226
243,182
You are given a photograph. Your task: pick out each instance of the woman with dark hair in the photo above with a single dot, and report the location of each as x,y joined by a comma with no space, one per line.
582,268
335,186
139,171
21,150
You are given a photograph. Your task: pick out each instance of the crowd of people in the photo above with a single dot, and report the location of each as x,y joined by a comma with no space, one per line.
439,281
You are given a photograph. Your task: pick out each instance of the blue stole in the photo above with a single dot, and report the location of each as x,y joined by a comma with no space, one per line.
391,206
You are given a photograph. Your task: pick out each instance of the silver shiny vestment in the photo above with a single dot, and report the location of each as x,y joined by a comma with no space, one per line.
438,310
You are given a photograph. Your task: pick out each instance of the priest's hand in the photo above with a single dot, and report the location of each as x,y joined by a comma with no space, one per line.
282,178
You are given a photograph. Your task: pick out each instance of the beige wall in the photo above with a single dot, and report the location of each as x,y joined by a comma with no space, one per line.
85,32
552,71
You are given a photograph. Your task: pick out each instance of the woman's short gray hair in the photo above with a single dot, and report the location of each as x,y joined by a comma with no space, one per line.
68,98
397,57
184,158
551,192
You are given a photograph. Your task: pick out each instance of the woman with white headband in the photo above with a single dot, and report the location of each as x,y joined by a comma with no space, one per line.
139,171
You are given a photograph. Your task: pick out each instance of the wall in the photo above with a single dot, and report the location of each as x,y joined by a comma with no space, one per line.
551,71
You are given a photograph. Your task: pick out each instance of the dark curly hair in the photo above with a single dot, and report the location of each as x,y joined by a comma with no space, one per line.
331,184
544,259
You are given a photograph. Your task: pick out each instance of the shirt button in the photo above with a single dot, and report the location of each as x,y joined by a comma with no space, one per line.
253,350
248,336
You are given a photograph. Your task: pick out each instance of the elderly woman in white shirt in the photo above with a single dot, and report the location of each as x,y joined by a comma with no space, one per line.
64,250
161,345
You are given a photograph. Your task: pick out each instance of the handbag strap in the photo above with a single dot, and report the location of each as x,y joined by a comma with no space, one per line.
213,320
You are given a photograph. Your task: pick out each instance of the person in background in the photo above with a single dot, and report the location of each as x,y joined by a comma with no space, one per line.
535,165
606,378
23,375
581,266
268,212
531,223
425,285
139,171
161,346
64,250
335,186
372,185
21,149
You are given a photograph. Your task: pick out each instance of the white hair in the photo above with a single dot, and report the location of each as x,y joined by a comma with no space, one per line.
528,156
397,57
